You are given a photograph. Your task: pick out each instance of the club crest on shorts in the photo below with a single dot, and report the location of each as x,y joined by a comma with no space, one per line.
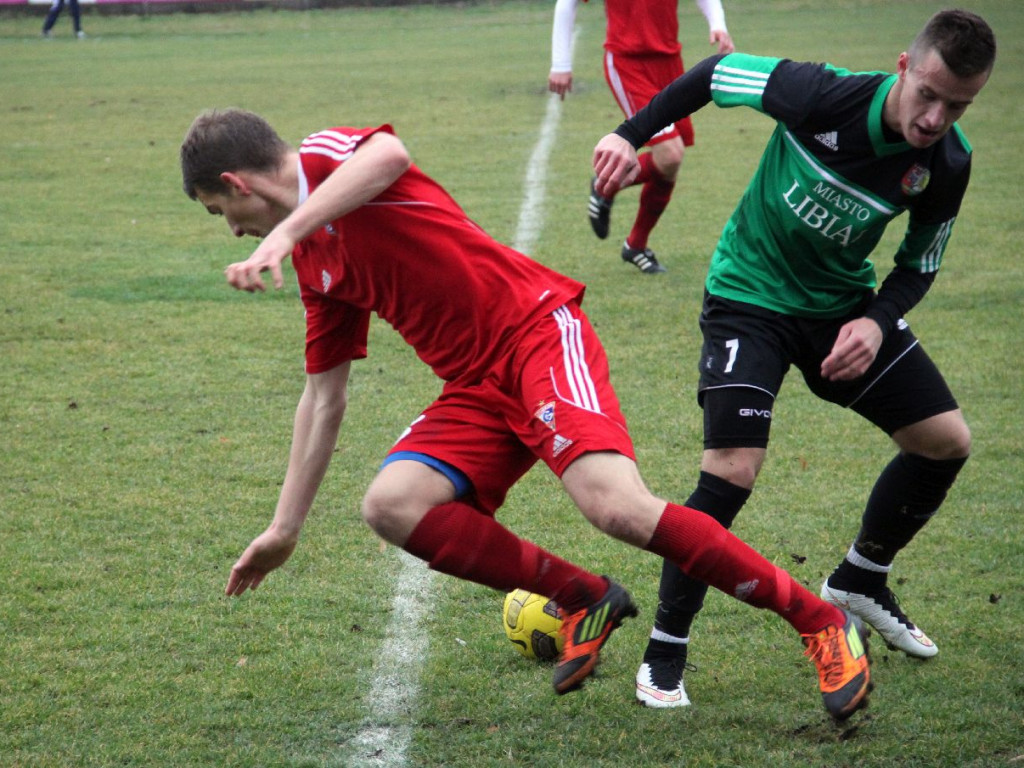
546,415
915,180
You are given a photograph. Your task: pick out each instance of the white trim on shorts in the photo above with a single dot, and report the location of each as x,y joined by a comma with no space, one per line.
574,361
882,373
737,384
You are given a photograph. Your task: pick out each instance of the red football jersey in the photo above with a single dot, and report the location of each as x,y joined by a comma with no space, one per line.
639,27
411,255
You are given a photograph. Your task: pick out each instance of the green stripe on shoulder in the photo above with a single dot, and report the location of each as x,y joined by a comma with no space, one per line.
959,133
841,72
739,79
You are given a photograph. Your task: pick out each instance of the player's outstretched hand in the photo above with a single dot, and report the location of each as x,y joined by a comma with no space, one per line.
268,551
245,275
615,164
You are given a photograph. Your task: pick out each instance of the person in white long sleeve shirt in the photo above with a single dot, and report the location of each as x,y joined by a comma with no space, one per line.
642,55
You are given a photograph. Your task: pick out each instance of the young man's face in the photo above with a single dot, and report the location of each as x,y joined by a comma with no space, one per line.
930,98
246,213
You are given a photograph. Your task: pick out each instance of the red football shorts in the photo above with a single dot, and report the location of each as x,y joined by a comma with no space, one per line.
635,80
550,400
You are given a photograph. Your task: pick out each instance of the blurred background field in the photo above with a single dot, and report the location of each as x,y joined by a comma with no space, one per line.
145,412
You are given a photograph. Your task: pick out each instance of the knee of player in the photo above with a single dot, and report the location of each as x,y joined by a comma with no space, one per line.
960,442
608,490
952,442
625,517
738,466
668,158
394,514
380,511
618,523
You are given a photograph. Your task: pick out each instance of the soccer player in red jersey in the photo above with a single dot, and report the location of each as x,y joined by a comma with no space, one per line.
642,56
526,378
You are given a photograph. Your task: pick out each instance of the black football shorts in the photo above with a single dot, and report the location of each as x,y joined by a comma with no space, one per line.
750,347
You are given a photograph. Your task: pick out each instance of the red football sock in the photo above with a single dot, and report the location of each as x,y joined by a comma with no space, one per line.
654,199
647,169
705,550
462,541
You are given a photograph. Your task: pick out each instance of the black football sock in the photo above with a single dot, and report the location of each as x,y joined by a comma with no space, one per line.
906,495
665,649
680,598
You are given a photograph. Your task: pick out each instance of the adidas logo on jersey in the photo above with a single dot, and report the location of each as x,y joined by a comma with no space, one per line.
830,139
325,277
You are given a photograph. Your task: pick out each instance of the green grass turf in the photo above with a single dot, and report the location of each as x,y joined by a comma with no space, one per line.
145,414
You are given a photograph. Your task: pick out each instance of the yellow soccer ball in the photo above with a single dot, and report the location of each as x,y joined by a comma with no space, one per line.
532,624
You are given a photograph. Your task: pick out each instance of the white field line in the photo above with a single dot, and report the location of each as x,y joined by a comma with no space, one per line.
531,214
385,737
383,741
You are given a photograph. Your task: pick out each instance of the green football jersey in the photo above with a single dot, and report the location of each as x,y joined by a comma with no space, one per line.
830,180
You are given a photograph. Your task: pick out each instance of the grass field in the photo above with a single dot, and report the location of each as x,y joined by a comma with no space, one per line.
145,415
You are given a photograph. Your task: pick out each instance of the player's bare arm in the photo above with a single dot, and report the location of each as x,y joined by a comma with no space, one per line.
376,165
854,351
318,420
615,164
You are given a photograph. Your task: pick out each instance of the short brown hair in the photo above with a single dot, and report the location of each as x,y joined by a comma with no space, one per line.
227,140
963,39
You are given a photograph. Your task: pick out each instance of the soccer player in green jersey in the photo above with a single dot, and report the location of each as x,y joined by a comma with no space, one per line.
791,283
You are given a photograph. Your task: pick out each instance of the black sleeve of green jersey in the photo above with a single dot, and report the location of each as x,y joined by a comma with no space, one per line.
681,98
797,89
900,292
806,95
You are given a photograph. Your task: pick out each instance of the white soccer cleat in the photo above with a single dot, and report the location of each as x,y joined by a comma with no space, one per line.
661,686
882,611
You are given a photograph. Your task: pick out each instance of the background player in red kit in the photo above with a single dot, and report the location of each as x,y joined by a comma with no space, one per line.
642,56
525,378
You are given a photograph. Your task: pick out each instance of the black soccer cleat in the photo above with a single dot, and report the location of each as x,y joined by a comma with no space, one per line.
599,210
643,259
